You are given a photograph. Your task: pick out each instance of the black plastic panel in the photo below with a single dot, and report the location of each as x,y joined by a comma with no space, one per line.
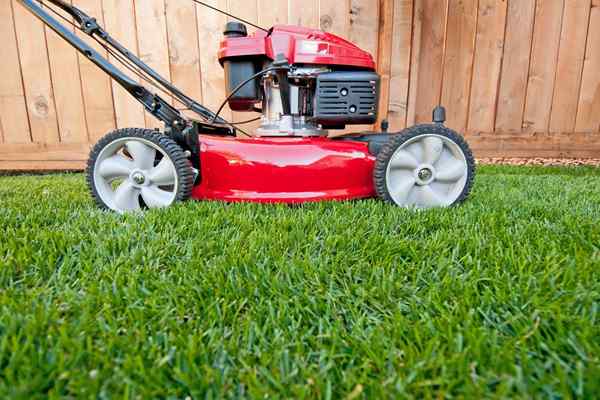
347,98
236,72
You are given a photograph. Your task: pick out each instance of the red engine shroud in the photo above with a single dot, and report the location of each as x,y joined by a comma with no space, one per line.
299,45
284,170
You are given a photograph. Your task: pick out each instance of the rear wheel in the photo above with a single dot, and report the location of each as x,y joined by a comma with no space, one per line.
425,166
133,169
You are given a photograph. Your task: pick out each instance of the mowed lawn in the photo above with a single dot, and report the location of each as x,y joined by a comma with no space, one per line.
496,298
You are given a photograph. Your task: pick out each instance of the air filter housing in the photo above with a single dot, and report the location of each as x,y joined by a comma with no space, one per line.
346,98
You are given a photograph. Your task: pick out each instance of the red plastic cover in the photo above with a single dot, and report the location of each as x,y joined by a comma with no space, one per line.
300,46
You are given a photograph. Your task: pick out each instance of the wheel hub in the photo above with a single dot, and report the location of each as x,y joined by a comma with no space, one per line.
138,177
424,175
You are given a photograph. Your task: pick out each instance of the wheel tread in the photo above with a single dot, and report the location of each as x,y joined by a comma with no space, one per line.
385,155
182,165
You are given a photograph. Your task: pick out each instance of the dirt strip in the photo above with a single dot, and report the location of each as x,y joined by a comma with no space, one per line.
569,162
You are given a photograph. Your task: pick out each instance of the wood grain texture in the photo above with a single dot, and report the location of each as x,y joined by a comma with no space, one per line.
153,46
119,17
529,145
39,152
415,62
304,13
570,65
401,63
542,72
66,83
515,66
384,56
210,32
14,119
13,108
364,26
95,84
38,156
458,65
272,12
184,49
1,132
428,47
588,112
489,46
43,165
334,16
363,30
31,40
248,10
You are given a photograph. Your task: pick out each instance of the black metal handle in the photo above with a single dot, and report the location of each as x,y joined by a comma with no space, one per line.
156,105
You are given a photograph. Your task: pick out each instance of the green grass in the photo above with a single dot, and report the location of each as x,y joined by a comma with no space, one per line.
496,298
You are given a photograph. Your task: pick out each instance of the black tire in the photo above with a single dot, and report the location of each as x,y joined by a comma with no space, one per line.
398,140
183,167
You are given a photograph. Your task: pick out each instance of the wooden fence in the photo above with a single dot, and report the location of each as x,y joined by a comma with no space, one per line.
519,77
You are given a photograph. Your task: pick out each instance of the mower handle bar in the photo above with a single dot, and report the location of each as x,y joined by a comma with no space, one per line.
153,103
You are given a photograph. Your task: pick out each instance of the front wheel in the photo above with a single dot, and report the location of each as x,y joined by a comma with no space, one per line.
133,169
425,166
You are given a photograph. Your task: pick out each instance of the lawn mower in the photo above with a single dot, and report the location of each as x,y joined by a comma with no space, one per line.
305,84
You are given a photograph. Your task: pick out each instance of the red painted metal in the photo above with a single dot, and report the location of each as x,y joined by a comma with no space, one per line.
299,45
283,170
290,169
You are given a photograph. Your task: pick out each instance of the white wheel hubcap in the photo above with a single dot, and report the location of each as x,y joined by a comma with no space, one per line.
427,171
132,171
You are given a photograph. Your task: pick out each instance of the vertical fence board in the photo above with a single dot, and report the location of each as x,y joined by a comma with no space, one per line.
210,31
13,116
248,10
13,109
570,64
363,30
334,16
428,43
458,65
184,50
515,66
384,56
153,45
120,22
363,25
487,65
401,63
415,62
31,40
542,72
95,84
272,12
588,113
303,13
66,82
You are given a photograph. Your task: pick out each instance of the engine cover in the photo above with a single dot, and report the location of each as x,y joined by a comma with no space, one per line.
299,46
331,83
346,98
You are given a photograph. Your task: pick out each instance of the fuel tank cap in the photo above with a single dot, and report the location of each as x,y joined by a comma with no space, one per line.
235,29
